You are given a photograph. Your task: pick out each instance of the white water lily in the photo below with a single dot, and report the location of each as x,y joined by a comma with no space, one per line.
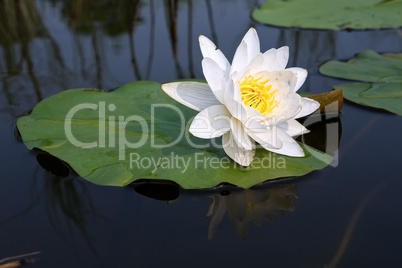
252,100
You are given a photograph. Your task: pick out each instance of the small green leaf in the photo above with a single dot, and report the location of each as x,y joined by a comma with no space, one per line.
331,15
384,72
206,167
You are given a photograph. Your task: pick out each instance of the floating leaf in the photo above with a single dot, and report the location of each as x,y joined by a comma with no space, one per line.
383,71
155,120
331,15
367,66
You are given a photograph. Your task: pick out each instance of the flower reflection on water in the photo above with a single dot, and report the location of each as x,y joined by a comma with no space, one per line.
252,205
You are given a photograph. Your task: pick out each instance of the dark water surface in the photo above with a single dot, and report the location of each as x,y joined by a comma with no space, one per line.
49,46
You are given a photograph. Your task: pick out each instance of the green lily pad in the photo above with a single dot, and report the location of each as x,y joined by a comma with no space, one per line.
111,162
383,72
331,15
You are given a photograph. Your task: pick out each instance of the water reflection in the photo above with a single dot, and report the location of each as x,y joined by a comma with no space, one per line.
69,207
318,45
70,211
67,200
19,24
49,46
102,41
115,18
252,205
325,133
31,54
97,19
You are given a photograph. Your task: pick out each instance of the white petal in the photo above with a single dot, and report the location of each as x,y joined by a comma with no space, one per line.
239,134
301,75
253,44
276,59
255,66
277,119
209,50
293,128
240,62
290,146
287,108
210,123
194,95
253,114
217,209
308,106
238,154
266,137
215,77
282,57
234,103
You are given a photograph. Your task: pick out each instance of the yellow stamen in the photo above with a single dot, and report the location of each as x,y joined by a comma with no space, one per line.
258,94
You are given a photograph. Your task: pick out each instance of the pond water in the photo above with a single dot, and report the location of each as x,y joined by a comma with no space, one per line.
346,215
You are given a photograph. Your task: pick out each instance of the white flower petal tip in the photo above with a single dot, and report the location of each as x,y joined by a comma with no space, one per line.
276,59
301,75
308,106
293,128
194,95
240,59
282,55
290,146
210,123
283,50
205,42
295,153
250,33
253,44
209,50
238,154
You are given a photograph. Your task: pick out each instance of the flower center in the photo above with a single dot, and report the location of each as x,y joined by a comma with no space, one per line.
257,94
